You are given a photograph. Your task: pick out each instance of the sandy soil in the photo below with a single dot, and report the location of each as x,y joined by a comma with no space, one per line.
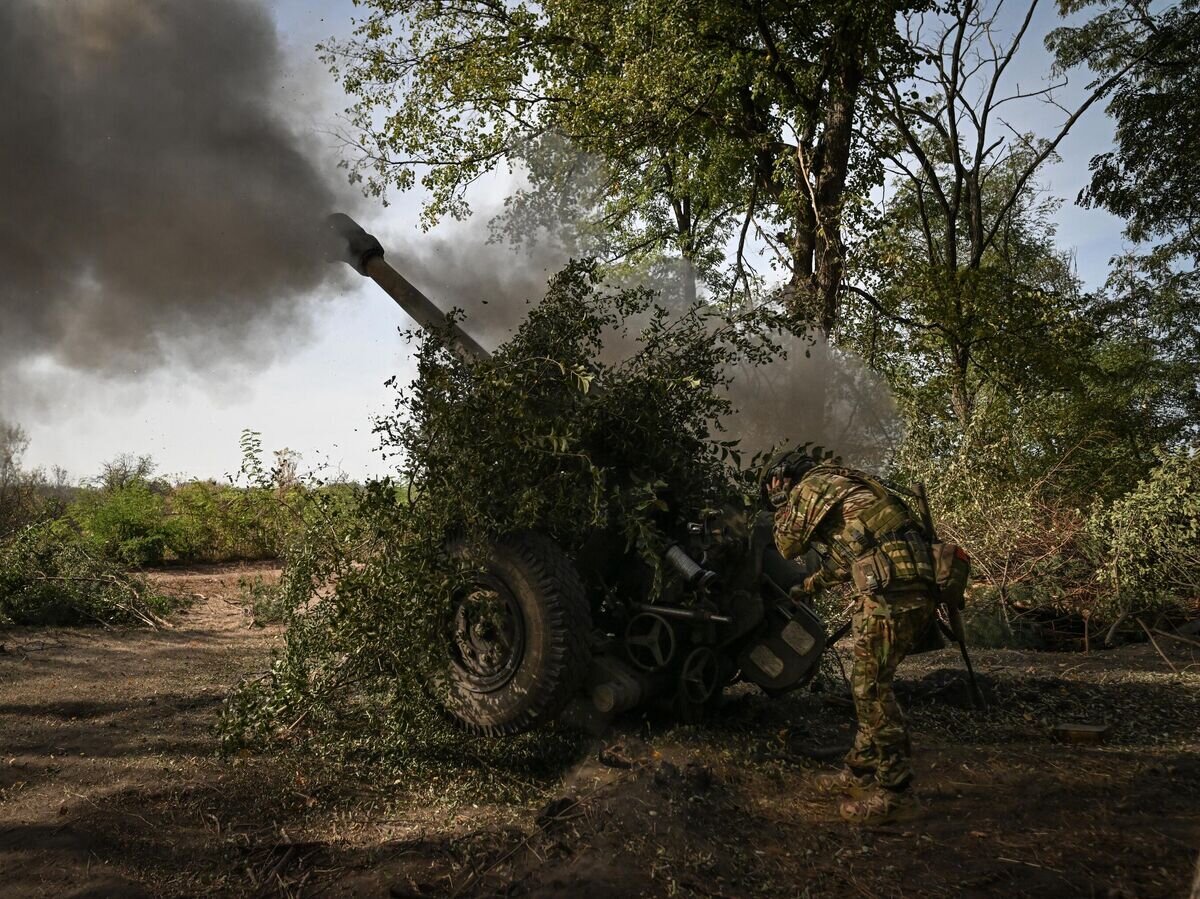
110,786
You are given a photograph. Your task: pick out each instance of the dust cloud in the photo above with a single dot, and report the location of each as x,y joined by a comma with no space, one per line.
158,200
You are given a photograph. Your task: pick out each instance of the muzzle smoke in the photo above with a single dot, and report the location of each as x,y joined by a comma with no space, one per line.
811,391
157,200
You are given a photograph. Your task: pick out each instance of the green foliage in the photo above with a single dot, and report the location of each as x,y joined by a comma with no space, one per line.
1151,539
213,522
990,621
26,495
52,573
133,518
529,440
126,521
49,576
266,601
14,493
1026,400
700,120
1152,177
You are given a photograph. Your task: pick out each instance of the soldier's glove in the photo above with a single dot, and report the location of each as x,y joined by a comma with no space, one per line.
803,592
778,499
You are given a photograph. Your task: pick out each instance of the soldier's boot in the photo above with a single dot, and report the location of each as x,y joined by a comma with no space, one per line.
881,807
843,782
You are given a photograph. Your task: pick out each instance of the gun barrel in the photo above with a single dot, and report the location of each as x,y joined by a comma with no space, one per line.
349,243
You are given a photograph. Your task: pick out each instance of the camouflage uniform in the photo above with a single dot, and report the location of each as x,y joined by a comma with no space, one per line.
865,534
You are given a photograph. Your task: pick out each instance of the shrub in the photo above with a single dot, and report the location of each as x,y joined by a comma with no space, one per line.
126,521
50,576
1151,539
139,521
214,522
1027,542
267,602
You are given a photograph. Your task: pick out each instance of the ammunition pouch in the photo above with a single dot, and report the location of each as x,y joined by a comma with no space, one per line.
887,548
872,573
900,560
952,572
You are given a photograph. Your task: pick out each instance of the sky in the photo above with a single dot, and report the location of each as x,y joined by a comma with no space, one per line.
317,390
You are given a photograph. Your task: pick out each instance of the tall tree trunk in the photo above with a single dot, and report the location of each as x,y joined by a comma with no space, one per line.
830,189
687,273
818,251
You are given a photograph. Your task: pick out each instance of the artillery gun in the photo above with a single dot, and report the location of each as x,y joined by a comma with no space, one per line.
527,638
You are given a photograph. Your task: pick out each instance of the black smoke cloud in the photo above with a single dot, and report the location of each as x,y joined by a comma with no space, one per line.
154,193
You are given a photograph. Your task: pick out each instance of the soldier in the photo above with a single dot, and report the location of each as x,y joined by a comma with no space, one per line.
863,533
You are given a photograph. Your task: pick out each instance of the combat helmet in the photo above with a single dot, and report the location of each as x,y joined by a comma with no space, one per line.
794,463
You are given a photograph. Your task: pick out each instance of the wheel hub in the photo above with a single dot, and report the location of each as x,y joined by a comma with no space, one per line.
488,637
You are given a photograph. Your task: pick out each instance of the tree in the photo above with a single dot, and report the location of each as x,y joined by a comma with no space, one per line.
966,349
711,120
125,471
13,491
1152,177
960,289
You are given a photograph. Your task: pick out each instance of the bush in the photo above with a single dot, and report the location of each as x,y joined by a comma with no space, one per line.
132,518
49,576
1027,542
214,523
1040,553
1151,540
26,496
267,602
127,522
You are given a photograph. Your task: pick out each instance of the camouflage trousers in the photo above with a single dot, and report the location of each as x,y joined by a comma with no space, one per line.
886,627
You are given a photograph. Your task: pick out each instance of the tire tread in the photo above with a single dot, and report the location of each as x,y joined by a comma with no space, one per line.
569,622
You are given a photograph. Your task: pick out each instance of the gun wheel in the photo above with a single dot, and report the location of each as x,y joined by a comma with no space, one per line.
489,636
519,637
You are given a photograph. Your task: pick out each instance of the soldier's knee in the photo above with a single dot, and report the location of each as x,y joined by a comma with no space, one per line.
865,691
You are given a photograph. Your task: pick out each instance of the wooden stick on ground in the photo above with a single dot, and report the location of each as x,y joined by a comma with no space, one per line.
1154,643
1180,637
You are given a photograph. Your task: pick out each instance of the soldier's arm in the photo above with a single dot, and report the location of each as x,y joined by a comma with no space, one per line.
790,532
830,574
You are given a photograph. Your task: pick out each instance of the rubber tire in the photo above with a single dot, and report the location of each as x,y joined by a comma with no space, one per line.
557,653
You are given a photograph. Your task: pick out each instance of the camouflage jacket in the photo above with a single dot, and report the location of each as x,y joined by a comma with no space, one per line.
846,515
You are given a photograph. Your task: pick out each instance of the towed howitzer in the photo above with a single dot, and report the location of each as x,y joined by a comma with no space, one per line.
530,639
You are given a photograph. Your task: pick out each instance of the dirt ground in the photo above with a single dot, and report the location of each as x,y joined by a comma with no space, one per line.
110,785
